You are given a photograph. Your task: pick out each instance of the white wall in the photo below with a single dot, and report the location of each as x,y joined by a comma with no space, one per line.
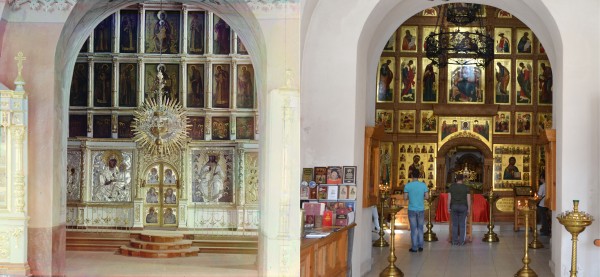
341,46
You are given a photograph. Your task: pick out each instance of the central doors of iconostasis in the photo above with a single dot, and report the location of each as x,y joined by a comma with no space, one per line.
162,190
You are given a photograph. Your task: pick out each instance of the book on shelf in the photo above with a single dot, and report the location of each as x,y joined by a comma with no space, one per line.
343,193
327,218
322,192
332,192
315,234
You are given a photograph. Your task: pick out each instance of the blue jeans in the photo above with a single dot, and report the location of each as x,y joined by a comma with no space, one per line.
459,223
416,220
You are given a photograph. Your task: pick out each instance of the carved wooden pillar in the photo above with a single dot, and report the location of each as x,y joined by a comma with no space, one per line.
549,138
488,174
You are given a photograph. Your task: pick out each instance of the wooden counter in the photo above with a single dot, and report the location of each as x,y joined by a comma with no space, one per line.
327,256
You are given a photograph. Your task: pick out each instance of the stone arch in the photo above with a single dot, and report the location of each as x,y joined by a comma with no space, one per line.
488,159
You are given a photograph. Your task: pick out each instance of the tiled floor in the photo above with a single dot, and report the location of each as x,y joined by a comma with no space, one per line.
438,259
441,259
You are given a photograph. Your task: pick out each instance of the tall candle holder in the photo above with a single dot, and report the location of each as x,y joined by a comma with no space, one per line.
429,235
381,242
525,271
490,236
575,222
392,269
535,243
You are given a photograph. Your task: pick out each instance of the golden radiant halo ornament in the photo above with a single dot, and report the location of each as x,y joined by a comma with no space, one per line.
160,125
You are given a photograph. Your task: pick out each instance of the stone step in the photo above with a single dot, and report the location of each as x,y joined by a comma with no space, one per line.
228,250
147,253
160,236
182,244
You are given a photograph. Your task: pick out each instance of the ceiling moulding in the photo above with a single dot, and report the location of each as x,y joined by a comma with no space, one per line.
44,5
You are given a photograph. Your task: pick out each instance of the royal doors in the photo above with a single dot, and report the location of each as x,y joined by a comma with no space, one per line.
161,195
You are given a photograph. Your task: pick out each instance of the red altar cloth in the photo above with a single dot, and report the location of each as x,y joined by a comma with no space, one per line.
479,207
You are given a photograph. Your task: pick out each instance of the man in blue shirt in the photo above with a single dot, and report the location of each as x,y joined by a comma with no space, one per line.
416,192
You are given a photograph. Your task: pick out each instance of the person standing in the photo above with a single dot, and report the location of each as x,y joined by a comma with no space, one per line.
416,192
542,213
459,205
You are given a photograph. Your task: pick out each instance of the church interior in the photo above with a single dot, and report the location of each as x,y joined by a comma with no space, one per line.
188,136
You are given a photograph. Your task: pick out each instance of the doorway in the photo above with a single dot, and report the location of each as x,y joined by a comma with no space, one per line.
161,188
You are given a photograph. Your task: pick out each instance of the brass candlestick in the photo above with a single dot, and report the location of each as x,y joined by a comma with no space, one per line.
383,189
525,271
392,269
575,222
430,235
535,243
490,236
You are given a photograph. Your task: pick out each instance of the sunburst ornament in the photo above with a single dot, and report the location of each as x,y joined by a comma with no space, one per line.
160,125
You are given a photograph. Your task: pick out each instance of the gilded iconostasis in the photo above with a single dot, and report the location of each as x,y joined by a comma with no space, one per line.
503,105
212,183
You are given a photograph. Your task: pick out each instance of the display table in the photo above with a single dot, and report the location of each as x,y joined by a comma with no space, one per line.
327,256
479,209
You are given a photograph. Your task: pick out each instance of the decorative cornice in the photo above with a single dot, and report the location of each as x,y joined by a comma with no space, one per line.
45,5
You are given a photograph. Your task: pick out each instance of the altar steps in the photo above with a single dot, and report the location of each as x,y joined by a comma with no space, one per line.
111,241
159,244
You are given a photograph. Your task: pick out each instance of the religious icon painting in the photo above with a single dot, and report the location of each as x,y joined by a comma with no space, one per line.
466,84
385,161
103,84
429,84
220,128
385,118
170,74
196,23
334,175
152,178
151,216
102,126
502,38
427,31
77,125
103,34
245,86
222,36
524,84
429,12
482,126
212,175
349,174
523,123
385,78
409,39
502,123
111,175
169,178
221,85
406,121
79,85
502,81
169,216
244,127
74,166
544,82
503,14
321,175
124,126
195,80
241,47
428,122
162,32
512,166
196,131
390,46
128,85
129,31
544,121
524,41
541,49
408,77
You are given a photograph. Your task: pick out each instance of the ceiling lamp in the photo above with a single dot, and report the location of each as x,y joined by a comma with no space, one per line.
470,45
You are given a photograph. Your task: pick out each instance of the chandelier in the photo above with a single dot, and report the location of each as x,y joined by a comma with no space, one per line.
470,45
160,125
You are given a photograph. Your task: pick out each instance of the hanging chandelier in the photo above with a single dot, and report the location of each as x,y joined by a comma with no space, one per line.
160,125
467,44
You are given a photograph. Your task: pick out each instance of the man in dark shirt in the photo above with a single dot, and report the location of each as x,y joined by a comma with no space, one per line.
459,205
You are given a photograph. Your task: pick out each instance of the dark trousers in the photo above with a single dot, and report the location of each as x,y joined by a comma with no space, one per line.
544,219
459,223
